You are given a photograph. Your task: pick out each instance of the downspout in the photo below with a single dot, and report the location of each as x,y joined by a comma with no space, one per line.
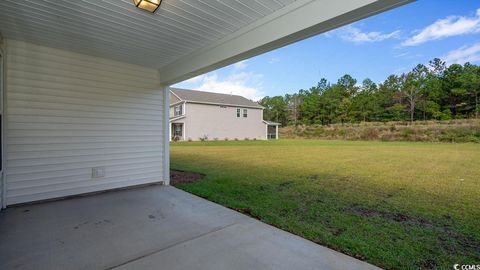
166,132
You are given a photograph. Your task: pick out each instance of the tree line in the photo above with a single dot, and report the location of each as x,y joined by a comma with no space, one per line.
427,92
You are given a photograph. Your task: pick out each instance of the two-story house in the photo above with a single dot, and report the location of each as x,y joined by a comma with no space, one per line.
198,115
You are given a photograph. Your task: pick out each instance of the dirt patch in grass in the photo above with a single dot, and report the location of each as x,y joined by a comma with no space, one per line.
182,177
365,212
447,233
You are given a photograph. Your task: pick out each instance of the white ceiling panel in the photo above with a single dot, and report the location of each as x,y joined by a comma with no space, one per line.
116,29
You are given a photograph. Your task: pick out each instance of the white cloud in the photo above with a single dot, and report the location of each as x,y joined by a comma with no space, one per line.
463,55
401,54
353,34
447,27
196,79
237,82
273,60
246,84
240,65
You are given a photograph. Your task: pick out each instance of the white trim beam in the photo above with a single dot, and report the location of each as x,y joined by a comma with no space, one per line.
297,21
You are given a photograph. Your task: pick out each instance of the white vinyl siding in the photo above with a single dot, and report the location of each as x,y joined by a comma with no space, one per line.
2,162
68,112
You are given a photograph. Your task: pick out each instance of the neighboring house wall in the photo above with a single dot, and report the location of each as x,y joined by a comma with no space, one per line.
68,112
172,109
214,121
173,98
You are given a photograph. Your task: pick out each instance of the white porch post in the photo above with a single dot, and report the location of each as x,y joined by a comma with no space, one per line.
184,122
166,141
276,132
184,132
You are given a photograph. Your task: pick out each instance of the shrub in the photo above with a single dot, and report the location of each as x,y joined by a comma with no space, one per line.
370,134
455,130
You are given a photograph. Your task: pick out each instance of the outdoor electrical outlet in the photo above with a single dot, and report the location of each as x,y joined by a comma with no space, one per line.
98,172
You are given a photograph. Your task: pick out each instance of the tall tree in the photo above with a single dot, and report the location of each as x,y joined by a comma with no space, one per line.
433,92
454,89
470,78
275,109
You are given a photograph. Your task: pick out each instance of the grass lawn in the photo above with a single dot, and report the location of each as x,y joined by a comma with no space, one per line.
398,205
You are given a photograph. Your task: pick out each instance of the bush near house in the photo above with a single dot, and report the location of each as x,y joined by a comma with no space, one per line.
399,205
425,131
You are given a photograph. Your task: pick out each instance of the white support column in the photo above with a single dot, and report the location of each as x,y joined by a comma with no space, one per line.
276,132
184,132
184,122
166,130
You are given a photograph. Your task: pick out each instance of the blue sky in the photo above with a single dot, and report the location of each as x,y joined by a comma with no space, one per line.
389,43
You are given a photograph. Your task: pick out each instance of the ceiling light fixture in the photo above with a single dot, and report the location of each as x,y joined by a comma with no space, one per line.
148,5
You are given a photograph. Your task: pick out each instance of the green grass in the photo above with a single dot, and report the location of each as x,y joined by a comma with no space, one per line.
399,205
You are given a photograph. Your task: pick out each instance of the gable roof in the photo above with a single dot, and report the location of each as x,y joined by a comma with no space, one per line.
213,98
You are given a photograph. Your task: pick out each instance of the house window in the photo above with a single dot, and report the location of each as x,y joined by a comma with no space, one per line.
238,112
245,113
178,110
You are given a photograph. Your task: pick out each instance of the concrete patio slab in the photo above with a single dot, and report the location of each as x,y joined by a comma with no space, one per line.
152,227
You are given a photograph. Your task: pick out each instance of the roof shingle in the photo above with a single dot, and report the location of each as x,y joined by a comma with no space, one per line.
216,98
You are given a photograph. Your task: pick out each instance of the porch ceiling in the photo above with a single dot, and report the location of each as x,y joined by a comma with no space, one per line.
184,37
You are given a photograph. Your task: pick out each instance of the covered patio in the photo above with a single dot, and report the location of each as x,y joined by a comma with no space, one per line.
272,130
85,109
152,227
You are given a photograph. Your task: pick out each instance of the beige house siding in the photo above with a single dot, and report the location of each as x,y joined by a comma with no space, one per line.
215,121
173,98
172,109
68,113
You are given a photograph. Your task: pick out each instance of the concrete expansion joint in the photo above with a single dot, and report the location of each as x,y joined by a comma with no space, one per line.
173,245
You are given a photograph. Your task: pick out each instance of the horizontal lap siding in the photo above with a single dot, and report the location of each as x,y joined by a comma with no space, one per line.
2,58
67,113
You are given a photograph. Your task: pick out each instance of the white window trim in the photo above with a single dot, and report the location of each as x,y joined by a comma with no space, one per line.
180,111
